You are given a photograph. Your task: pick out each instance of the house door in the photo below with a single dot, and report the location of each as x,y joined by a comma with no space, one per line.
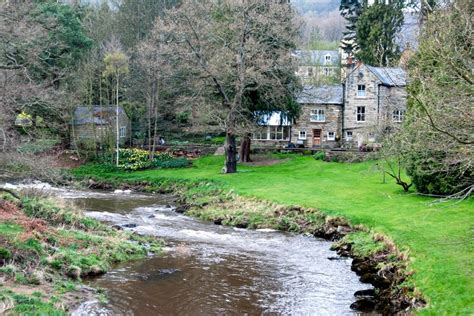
316,137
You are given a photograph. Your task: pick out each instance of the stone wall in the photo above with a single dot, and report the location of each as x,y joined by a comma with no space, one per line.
332,123
315,74
379,102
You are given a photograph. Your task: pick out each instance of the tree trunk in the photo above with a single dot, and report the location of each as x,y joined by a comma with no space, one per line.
150,105
245,149
117,142
230,165
155,114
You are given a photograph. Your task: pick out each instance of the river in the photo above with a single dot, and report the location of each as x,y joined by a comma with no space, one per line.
214,270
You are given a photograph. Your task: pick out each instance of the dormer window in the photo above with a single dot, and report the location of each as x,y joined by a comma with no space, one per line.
361,90
327,58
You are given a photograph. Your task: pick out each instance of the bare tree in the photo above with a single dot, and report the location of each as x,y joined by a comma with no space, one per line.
116,65
322,27
440,117
230,54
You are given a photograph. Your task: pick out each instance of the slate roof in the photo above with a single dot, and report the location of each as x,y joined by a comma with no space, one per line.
317,57
321,95
95,115
392,77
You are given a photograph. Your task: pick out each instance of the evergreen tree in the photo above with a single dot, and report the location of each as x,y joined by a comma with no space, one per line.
375,30
350,10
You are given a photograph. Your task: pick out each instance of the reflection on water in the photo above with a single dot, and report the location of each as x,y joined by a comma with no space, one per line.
208,269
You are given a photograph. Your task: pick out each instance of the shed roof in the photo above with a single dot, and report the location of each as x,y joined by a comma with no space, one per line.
317,57
321,95
393,77
99,115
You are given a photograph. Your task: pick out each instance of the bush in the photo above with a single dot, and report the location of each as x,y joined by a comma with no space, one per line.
5,253
134,159
38,146
174,163
430,175
320,155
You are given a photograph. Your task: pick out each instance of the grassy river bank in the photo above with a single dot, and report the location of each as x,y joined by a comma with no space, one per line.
430,244
47,246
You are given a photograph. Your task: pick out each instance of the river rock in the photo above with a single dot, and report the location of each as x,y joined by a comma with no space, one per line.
336,258
167,271
182,208
242,225
131,225
364,305
365,293
368,278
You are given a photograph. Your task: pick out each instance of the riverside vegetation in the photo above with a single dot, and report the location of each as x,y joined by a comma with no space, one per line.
429,250
48,246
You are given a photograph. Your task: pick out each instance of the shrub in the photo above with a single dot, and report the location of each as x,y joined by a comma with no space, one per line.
38,146
174,163
134,159
430,174
320,155
307,152
5,253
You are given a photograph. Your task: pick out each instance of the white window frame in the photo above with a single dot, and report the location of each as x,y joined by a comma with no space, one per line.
277,131
261,135
317,115
351,135
398,115
123,132
302,135
327,72
360,115
327,58
361,93
329,137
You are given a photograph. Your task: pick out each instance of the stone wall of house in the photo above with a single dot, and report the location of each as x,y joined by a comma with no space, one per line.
379,102
391,98
312,74
332,123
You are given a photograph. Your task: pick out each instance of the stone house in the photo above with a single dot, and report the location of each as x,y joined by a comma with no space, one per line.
348,115
98,124
318,66
374,98
320,121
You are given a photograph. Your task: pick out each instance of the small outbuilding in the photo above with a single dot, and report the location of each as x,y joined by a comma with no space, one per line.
98,123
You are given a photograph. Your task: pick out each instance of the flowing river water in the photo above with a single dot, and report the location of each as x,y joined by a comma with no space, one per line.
214,270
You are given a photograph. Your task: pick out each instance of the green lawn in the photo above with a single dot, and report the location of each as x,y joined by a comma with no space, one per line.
439,236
